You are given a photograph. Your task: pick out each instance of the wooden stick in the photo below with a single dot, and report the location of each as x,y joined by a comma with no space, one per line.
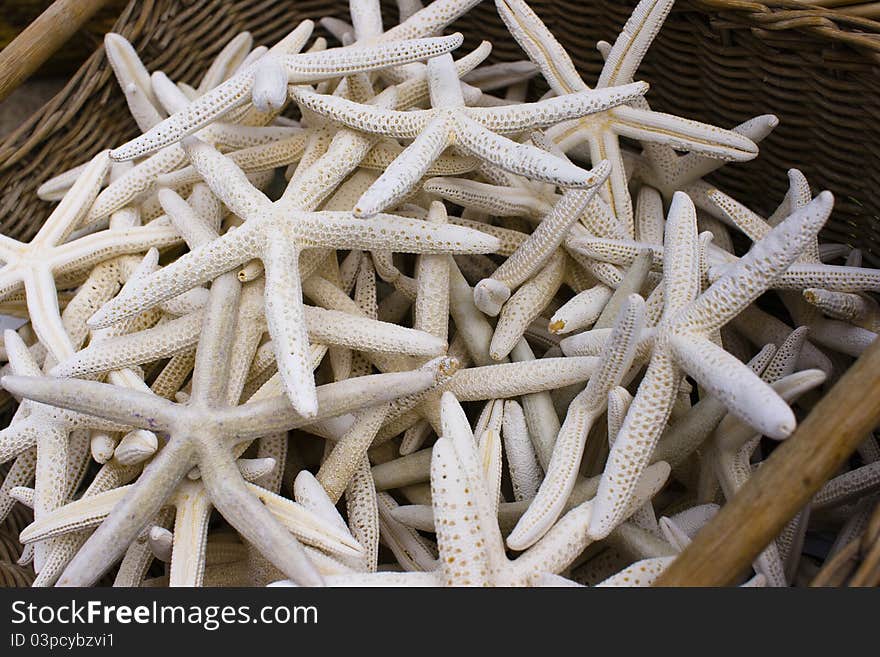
39,40
785,482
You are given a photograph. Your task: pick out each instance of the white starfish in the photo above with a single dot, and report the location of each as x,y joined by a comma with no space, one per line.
260,237
202,432
680,344
602,130
476,130
300,68
37,264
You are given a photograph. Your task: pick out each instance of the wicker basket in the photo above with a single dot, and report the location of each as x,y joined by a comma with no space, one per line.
718,61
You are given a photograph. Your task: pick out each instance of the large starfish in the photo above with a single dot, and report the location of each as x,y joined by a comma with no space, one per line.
681,344
275,234
202,432
602,130
476,130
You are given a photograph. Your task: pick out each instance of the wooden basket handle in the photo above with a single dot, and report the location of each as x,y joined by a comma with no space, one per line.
39,40
787,480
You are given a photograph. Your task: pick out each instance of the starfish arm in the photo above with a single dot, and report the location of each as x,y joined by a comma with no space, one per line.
522,159
640,574
125,406
464,560
203,111
525,471
19,437
582,310
366,118
340,467
735,385
130,515
525,306
694,166
133,79
50,477
263,416
190,536
190,270
632,450
136,183
752,274
340,62
384,232
538,248
491,199
85,252
541,46
287,325
616,360
838,278
83,513
269,92
73,208
682,134
42,302
514,379
516,118
681,262
306,525
410,549
633,41
404,173
364,334
233,499
226,179
163,341
754,227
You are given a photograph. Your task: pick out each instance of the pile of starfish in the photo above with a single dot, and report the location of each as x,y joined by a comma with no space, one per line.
518,338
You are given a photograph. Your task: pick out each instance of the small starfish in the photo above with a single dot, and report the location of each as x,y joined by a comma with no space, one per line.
680,345
476,130
300,68
602,130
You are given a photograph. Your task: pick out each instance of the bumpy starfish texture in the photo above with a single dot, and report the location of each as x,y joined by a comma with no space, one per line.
680,344
476,130
602,130
259,236
307,67
256,298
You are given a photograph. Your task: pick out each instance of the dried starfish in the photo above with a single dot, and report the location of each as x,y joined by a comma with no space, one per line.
680,344
201,432
476,130
258,237
602,130
301,68
37,264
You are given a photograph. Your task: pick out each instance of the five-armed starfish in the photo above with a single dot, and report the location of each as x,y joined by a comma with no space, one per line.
476,130
602,130
276,234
